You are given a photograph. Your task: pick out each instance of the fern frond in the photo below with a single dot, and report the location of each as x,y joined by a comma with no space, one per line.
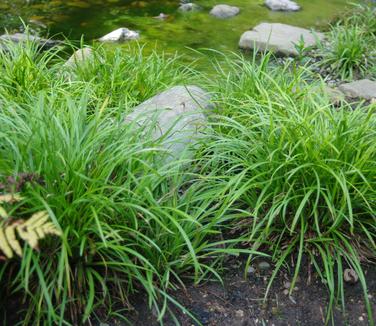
10,198
4,245
3,213
10,235
36,228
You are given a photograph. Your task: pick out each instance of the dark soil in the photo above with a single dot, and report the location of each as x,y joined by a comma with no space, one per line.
240,301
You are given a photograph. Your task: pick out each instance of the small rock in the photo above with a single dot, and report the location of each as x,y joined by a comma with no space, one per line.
189,7
239,313
286,292
287,285
263,266
161,16
22,38
120,34
364,89
224,11
361,318
282,5
251,270
350,276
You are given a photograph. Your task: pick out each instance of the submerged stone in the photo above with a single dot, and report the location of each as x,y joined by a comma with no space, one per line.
224,11
22,38
282,5
189,7
279,38
119,35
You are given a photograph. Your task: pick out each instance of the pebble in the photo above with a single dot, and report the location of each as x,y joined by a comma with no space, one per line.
251,270
350,276
239,313
286,292
264,266
287,285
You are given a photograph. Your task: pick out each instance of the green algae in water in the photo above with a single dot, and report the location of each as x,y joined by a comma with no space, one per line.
94,18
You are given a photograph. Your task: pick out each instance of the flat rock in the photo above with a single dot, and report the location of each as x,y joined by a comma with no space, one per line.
120,35
334,95
224,11
22,38
282,5
363,89
176,115
279,38
80,56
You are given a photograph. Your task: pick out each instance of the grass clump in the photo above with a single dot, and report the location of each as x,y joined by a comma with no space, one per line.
280,171
128,223
350,49
302,172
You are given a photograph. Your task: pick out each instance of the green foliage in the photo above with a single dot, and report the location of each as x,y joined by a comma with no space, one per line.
302,172
297,174
350,49
129,223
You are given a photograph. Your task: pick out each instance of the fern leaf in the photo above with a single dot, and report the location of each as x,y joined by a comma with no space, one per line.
28,235
36,220
10,235
4,246
49,228
9,198
3,213
31,231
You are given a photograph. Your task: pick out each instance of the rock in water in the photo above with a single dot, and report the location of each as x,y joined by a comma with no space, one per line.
282,5
189,7
161,16
119,35
80,56
363,89
279,38
22,38
224,11
177,116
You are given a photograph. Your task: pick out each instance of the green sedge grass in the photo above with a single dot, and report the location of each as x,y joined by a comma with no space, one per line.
302,172
130,223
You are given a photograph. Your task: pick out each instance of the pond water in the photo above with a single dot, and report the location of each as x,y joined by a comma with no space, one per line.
94,18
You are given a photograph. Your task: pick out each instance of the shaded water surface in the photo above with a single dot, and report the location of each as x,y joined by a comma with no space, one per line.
94,18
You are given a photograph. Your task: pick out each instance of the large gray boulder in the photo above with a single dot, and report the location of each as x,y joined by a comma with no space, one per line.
362,89
224,11
282,5
79,57
176,117
279,38
120,35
